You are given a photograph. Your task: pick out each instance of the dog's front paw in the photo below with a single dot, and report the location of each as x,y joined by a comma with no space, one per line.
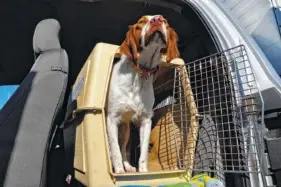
129,168
119,170
143,166
143,169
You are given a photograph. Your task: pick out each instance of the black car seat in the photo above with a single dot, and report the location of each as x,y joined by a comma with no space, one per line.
26,121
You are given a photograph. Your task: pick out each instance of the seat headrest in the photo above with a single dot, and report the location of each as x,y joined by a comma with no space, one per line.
46,35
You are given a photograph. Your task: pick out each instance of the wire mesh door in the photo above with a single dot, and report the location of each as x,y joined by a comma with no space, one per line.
229,110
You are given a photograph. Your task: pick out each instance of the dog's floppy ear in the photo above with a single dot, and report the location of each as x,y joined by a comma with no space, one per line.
129,46
172,48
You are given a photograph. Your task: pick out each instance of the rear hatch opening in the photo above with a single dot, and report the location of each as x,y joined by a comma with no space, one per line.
195,42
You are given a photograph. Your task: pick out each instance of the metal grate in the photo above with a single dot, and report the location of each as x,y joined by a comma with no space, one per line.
223,133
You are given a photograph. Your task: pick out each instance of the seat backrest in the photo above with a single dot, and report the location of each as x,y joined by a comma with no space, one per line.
26,121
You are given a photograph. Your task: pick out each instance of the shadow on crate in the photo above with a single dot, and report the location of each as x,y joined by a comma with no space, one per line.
168,143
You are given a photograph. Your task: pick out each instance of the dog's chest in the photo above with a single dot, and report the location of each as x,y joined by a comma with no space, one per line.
137,100
131,96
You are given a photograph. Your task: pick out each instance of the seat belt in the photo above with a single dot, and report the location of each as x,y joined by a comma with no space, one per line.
68,126
69,136
73,118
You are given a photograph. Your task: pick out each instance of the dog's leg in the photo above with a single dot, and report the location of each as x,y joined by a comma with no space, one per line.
112,132
126,134
145,129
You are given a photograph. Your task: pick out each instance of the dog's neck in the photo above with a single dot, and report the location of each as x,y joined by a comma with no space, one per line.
149,59
135,78
150,55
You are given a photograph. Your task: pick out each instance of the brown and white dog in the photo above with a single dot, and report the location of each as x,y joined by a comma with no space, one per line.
131,95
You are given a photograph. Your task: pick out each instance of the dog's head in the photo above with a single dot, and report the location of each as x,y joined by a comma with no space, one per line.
140,34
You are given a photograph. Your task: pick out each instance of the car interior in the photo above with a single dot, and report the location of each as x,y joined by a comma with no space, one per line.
44,56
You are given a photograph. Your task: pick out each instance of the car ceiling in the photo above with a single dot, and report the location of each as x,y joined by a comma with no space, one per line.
83,25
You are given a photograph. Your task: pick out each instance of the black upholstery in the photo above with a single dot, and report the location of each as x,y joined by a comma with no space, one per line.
26,121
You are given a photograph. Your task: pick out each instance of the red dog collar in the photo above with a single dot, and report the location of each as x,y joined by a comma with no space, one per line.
144,71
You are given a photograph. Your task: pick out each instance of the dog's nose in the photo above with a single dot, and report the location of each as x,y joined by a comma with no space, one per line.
157,20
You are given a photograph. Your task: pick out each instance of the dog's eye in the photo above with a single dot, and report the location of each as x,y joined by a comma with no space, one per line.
142,22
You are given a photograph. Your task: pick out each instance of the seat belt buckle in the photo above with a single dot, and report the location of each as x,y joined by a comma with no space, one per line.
68,179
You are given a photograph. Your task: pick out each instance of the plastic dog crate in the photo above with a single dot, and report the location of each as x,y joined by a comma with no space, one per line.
92,163
206,120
